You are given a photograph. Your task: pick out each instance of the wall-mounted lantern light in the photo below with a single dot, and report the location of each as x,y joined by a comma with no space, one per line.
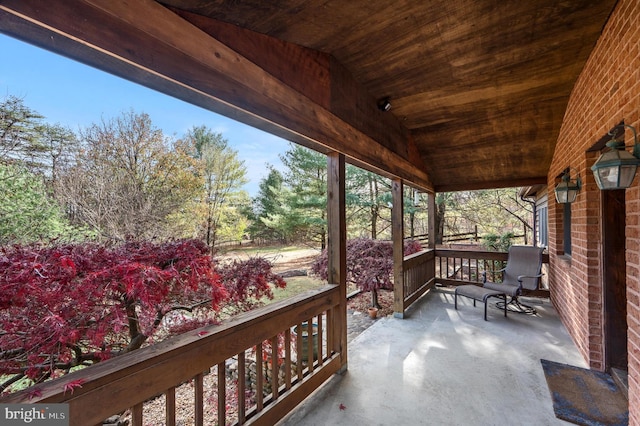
567,190
616,168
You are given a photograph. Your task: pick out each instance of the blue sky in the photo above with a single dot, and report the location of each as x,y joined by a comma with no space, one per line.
74,95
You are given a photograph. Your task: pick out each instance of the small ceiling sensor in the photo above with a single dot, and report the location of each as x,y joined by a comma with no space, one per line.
384,104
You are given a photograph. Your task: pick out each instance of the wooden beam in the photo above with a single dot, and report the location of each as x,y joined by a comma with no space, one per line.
337,248
397,236
505,183
172,55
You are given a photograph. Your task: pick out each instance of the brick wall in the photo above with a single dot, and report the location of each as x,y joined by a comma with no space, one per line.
607,92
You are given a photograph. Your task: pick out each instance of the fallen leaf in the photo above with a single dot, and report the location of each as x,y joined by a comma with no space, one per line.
343,407
34,393
72,385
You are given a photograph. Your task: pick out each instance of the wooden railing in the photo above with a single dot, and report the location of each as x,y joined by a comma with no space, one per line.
457,267
418,275
233,360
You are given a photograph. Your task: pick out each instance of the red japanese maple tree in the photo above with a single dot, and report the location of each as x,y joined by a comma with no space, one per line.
369,264
64,306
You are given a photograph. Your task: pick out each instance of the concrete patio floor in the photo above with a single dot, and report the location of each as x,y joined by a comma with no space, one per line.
439,366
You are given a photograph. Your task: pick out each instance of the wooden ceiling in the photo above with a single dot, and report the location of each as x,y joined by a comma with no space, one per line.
478,88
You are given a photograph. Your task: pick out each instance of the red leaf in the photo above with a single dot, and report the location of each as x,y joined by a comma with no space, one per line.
34,393
343,407
72,385
202,333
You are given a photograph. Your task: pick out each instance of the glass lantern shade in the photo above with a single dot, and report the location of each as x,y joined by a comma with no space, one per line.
567,190
615,169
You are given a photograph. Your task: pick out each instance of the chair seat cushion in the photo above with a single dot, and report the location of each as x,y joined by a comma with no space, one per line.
508,289
476,292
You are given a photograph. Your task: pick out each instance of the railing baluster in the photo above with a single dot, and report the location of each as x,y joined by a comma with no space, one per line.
477,272
299,341
222,394
275,368
198,382
447,268
310,344
170,406
330,334
242,381
287,358
320,340
136,415
259,378
468,261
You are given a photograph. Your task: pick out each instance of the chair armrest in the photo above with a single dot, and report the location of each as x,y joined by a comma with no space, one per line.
521,277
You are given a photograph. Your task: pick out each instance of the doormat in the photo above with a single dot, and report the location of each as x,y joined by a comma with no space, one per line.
585,397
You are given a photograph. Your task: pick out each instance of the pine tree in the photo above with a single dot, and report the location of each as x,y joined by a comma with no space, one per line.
306,205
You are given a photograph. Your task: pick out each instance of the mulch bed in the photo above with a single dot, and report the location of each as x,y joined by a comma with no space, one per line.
362,302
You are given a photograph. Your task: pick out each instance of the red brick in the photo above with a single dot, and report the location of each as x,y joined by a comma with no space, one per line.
576,283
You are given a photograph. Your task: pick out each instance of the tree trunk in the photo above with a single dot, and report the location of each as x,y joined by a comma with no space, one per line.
440,212
374,299
137,338
373,209
412,225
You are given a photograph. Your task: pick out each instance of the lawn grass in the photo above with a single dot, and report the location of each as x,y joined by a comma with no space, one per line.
296,285
253,250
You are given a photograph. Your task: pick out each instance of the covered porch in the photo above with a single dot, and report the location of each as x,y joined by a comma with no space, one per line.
499,88
441,366
440,359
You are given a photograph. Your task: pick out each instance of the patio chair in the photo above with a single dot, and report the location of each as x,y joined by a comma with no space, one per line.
522,273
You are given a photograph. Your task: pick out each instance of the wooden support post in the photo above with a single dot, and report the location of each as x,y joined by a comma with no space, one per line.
397,235
431,217
337,249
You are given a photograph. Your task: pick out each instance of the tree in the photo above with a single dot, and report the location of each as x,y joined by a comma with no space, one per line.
368,196
65,306
369,264
268,205
19,133
128,179
27,212
224,175
247,283
495,211
306,203
61,146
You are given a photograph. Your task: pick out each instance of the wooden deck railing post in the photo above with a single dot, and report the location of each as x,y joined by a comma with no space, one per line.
431,217
337,250
397,236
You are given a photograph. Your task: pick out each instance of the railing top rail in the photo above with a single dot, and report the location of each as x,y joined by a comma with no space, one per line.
479,254
421,256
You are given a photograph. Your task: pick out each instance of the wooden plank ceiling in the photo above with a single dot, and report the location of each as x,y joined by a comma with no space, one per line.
478,88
